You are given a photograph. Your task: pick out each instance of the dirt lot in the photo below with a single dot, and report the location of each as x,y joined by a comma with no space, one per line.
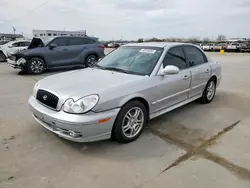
194,146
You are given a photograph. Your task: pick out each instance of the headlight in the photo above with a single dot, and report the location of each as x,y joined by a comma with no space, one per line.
82,105
35,89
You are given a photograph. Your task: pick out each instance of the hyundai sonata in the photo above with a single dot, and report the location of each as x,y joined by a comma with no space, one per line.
116,97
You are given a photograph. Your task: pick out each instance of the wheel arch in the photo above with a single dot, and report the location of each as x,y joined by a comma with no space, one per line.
38,56
214,77
138,98
128,100
92,53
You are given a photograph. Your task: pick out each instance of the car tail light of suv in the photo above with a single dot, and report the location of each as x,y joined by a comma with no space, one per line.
101,46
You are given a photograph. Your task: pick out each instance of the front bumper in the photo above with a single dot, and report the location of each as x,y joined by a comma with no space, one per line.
86,125
15,65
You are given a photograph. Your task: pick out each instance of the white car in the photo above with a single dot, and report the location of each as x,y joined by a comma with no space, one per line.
208,47
234,47
12,47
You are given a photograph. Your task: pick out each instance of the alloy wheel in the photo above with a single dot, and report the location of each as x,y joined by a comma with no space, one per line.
133,122
36,66
210,90
91,61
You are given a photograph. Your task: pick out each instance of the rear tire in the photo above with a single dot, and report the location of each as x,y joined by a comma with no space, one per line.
36,66
209,92
2,57
90,60
130,122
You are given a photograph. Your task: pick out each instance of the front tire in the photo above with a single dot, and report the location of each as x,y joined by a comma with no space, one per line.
130,122
209,92
36,66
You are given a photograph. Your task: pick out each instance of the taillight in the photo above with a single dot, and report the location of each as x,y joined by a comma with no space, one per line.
101,47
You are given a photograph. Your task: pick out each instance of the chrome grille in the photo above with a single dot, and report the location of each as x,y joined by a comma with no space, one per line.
47,98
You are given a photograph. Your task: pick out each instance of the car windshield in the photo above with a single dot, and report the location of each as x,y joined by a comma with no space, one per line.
132,60
47,40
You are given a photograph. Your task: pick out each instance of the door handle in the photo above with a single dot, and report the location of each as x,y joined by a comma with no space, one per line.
185,77
207,71
65,49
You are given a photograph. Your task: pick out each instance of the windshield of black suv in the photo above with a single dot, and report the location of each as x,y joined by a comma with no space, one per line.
134,60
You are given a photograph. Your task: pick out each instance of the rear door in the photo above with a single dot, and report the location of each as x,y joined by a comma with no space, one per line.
200,69
76,46
79,48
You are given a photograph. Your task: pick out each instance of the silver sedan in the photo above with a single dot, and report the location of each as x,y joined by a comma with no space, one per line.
123,91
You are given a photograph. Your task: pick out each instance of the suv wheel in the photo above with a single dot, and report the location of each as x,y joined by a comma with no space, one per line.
130,122
36,66
90,60
2,57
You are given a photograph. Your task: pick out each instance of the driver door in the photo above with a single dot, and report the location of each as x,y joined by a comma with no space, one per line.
173,88
59,55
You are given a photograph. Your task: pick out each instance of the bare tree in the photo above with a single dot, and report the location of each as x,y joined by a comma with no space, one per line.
206,40
194,40
221,38
140,40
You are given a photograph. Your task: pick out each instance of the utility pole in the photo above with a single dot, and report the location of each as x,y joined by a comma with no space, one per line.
14,30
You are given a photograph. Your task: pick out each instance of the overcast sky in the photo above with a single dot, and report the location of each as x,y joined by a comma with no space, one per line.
129,19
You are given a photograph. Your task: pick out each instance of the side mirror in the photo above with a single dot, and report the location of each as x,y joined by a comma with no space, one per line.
170,69
10,46
52,46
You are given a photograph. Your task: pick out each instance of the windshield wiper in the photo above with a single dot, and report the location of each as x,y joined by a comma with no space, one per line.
118,70
123,71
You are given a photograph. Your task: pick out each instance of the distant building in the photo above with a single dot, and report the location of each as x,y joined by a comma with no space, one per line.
55,33
10,37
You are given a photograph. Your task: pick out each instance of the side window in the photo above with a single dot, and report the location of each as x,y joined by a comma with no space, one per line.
60,42
80,41
88,41
16,44
194,56
175,56
24,44
75,41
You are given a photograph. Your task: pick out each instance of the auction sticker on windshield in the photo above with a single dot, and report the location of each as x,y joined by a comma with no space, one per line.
150,51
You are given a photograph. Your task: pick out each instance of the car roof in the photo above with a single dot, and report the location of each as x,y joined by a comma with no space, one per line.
157,44
86,37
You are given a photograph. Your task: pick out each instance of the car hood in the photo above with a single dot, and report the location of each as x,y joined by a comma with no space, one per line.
80,83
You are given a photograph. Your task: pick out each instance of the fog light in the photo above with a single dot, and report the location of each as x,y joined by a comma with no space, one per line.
70,133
